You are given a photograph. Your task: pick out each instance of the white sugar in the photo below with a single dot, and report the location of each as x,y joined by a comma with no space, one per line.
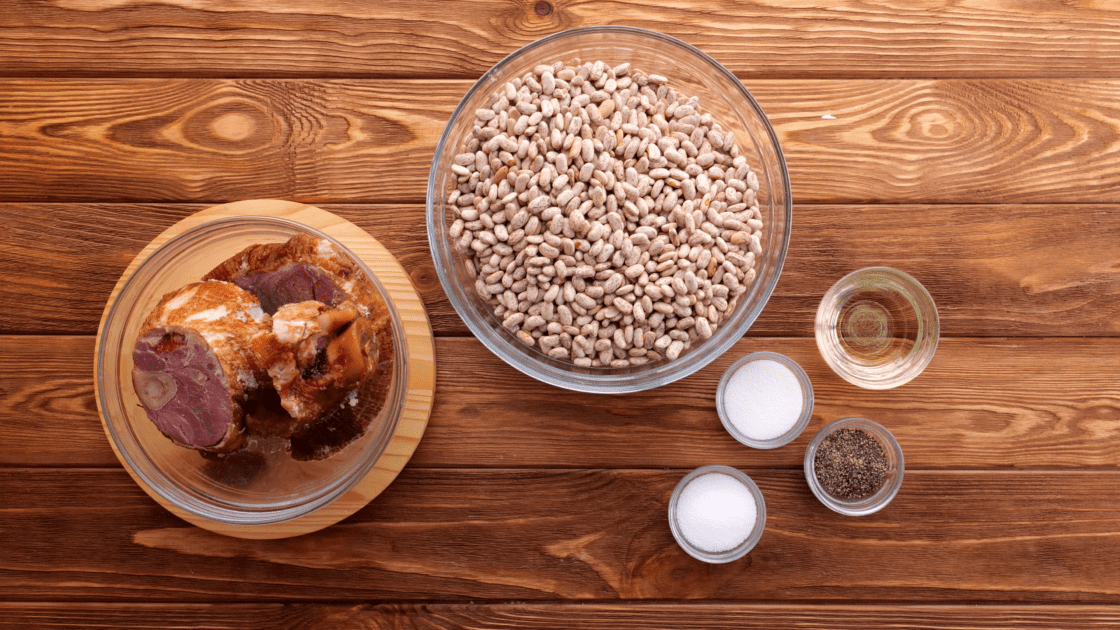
716,512
763,399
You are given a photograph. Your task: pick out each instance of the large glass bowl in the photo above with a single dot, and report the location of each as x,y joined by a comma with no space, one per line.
263,488
689,71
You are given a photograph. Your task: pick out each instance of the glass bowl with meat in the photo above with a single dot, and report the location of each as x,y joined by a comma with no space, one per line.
251,371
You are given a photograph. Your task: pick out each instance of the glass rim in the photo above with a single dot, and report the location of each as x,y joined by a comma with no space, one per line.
898,371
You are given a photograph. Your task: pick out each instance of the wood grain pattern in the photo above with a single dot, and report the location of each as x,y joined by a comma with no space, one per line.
981,404
1045,537
436,39
219,141
531,507
415,343
679,616
992,270
948,141
966,141
47,389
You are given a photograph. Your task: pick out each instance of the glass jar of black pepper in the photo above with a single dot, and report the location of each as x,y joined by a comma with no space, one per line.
854,466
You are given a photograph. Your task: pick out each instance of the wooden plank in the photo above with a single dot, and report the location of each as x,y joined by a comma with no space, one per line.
981,404
82,250
966,141
677,616
949,537
424,38
992,270
991,141
46,389
192,140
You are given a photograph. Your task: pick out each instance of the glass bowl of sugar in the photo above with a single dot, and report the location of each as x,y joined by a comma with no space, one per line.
765,400
717,514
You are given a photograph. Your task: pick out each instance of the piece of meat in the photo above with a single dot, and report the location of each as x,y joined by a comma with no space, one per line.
310,269
305,268
316,356
296,282
261,269
193,364
348,421
330,433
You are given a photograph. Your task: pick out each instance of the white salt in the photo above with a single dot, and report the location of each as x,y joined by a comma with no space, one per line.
763,399
716,512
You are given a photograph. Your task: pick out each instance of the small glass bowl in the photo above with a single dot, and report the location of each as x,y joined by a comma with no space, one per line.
877,328
806,396
731,554
883,496
269,486
689,70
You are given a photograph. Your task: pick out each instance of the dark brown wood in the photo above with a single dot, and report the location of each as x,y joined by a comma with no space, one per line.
678,616
76,265
981,404
960,141
426,38
46,388
992,270
949,537
972,144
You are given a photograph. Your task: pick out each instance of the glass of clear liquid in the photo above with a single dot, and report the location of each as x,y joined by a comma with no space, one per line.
877,328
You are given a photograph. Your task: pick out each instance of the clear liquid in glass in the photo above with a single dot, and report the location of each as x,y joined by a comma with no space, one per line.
876,327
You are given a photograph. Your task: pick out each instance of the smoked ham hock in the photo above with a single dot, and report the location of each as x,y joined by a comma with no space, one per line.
280,340
194,366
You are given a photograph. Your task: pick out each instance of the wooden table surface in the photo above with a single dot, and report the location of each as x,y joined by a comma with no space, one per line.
975,145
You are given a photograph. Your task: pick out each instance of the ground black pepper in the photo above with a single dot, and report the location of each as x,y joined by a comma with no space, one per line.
850,464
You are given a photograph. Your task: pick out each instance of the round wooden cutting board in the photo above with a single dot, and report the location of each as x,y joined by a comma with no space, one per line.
419,389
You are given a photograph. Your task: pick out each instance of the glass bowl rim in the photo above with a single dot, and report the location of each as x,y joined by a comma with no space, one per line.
603,380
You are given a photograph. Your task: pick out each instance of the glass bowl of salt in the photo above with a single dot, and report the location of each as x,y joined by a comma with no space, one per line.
717,514
765,400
